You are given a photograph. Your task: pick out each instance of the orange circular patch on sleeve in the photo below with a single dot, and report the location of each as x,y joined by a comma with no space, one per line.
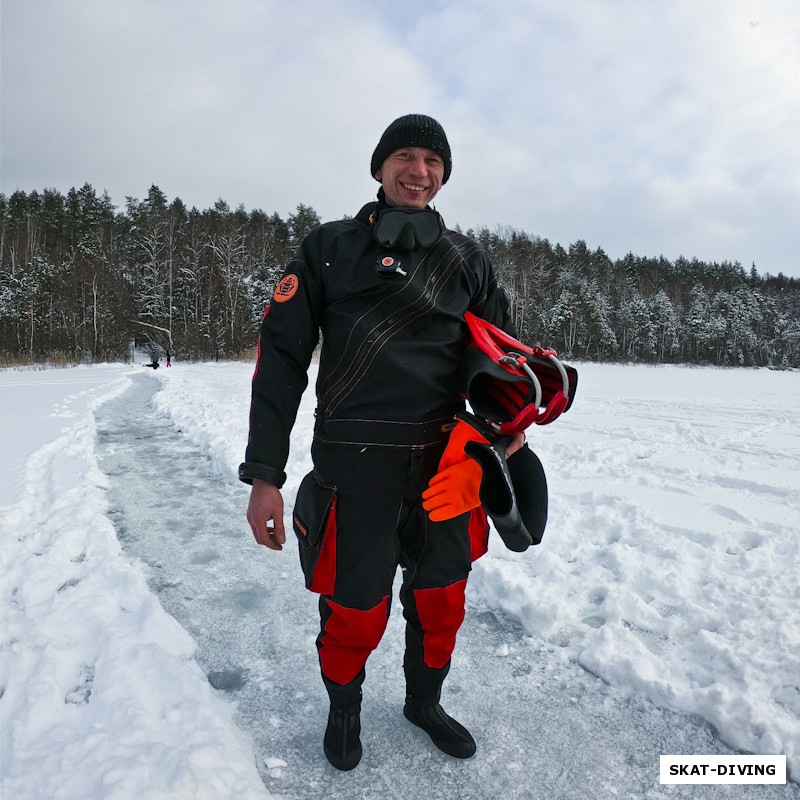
286,288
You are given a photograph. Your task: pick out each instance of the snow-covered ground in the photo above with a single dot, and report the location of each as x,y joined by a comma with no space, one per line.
670,569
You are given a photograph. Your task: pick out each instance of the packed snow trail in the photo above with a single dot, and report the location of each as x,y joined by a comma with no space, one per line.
544,726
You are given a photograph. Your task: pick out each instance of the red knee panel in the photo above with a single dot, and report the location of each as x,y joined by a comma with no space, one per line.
349,637
325,570
478,533
441,612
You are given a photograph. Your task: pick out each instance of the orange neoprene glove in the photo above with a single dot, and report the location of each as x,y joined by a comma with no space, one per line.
455,488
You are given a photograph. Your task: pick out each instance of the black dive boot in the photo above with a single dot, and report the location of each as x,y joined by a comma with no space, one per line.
447,734
342,742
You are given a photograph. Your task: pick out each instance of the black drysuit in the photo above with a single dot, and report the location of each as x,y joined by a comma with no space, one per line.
389,385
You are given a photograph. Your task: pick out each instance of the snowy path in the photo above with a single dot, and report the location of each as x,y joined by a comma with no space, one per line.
545,727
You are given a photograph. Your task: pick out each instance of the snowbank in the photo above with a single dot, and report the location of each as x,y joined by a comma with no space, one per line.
101,696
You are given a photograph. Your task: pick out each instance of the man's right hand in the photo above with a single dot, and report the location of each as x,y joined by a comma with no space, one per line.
265,507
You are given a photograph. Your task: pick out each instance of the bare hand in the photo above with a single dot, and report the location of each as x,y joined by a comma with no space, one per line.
265,507
515,444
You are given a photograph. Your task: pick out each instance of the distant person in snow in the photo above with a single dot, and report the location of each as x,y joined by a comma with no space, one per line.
169,359
153,361
388,290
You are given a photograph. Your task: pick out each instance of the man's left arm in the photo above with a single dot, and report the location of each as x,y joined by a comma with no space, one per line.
496,308
492,302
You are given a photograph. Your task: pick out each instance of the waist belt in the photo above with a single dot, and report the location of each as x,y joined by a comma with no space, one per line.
384,433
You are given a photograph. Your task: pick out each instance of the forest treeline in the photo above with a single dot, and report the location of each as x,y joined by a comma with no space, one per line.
82,279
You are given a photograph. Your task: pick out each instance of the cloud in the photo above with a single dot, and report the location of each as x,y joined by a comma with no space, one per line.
654,127
651,127
249,100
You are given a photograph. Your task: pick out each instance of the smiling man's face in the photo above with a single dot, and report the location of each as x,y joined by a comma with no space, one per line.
411,176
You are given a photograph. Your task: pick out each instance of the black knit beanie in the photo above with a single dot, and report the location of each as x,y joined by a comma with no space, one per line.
413,130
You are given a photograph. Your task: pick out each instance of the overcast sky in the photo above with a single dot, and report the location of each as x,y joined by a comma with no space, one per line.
652,126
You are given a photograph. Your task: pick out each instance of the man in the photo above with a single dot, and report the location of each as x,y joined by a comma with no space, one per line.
388,290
